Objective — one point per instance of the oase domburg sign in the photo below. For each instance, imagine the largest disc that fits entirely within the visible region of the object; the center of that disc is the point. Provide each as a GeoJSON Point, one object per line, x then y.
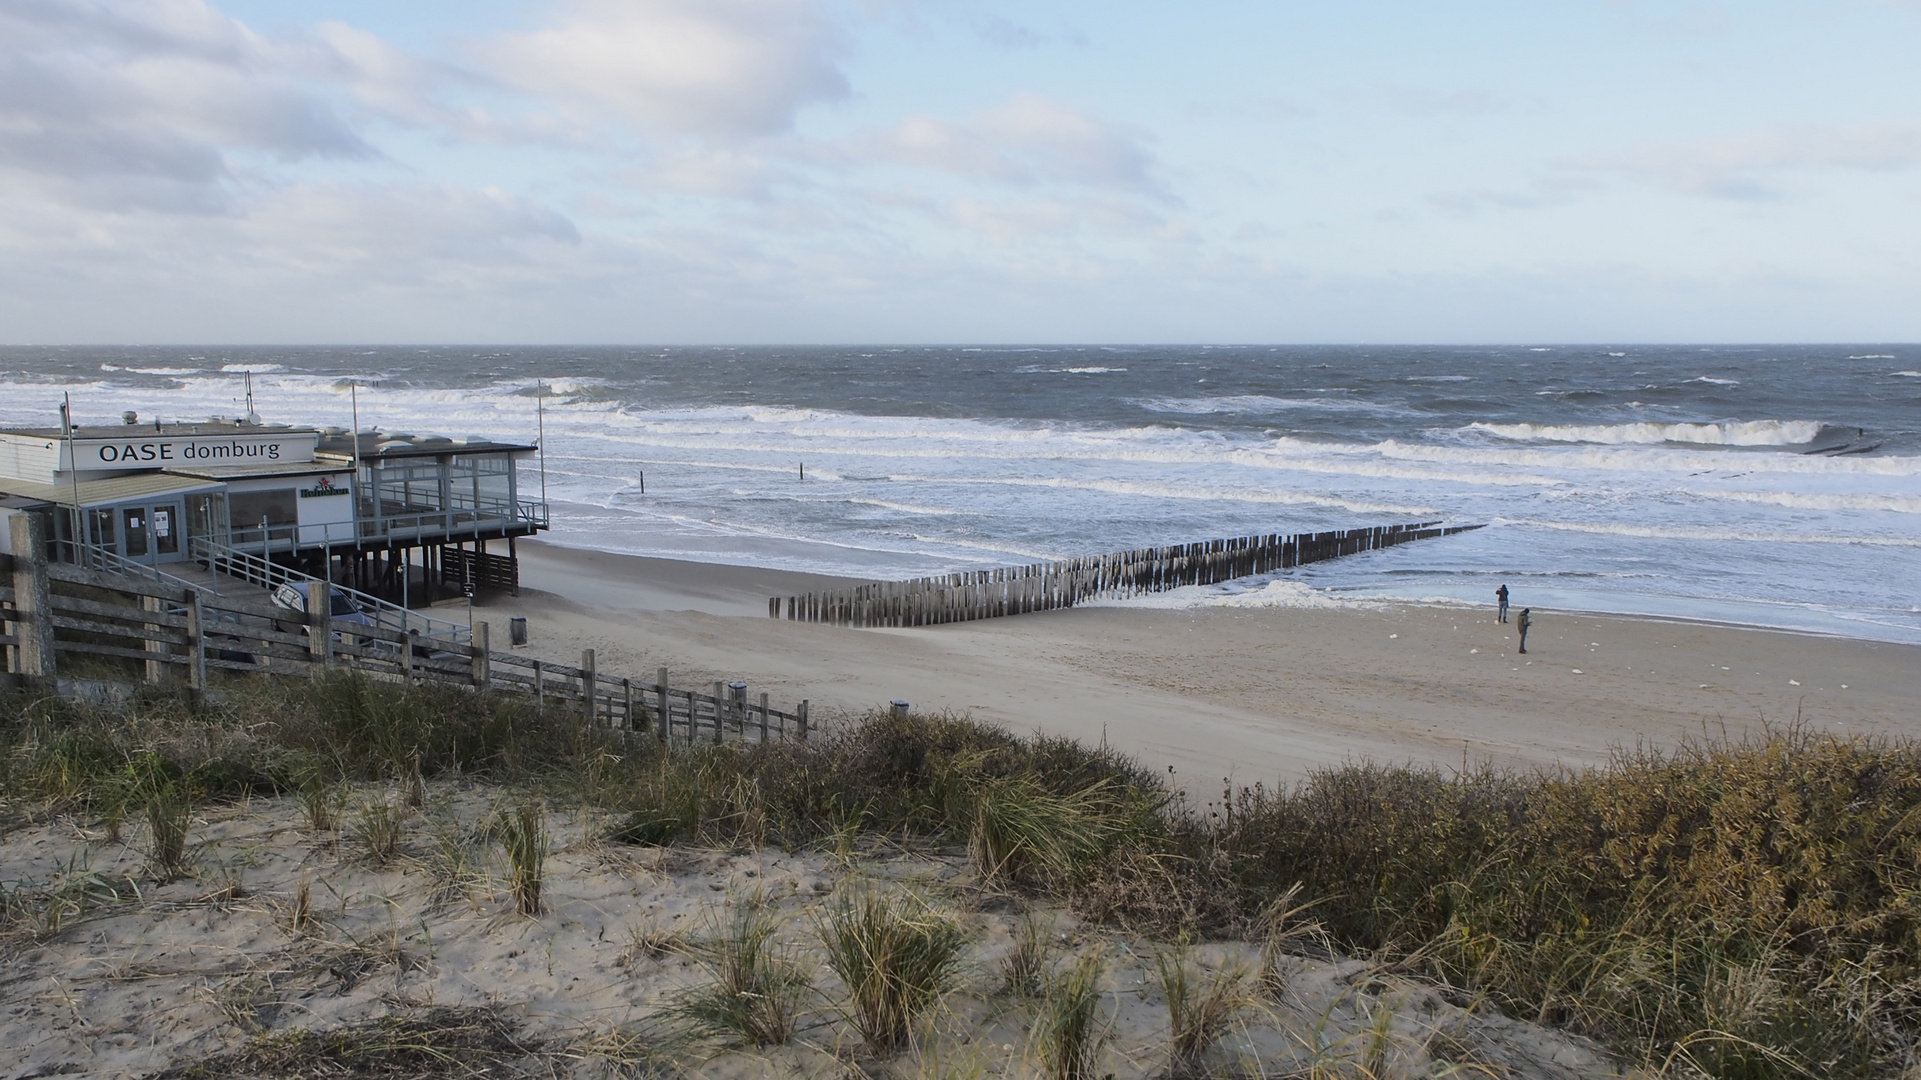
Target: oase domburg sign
{"type": "Point", "coordinates": [161, 452]}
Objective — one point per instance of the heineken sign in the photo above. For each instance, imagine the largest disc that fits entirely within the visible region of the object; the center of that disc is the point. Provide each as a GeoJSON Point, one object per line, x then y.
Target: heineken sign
{"type": "Point", "coordinates": [323, 489]}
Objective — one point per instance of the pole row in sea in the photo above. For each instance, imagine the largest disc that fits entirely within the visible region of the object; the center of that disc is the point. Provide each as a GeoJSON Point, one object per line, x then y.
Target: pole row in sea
{"type": "Point", "coordinates": [1016, 590]}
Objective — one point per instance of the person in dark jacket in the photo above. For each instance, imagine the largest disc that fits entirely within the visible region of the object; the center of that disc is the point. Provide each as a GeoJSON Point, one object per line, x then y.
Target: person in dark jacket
{"type": "Point", "coordinates": [1501, 595]}
{"type": "Point", "coordinates": [1521, 624]}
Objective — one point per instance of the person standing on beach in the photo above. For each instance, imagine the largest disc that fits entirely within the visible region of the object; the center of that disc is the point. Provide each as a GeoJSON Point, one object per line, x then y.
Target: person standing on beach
{"type": "Point", "coordinates": [1501, 595]}
{"type": "Point", "coordinates": [1522, 624]}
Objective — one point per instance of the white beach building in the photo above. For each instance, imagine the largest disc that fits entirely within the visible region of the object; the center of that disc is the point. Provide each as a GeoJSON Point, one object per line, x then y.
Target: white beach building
{"type": "Point", "coordinates": [389, 514]}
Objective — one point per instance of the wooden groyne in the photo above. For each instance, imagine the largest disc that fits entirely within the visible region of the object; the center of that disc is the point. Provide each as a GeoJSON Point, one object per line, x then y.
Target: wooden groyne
{"type": "Point", "coordinates": [1015, 590]}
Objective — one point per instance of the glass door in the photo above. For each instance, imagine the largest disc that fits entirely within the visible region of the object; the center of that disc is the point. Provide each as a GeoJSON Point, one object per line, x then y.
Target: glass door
{"type": "Point", "coordinates": [133, 533]}
{"type": "Point", "coordinates": [164, 522]}
{"type": "Point", "coordinates": [149, 534]}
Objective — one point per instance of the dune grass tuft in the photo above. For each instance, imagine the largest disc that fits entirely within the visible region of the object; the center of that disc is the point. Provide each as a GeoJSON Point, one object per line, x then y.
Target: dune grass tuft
{"type": "Point", "coordinates": [896, 954]}
{"type": "Point", "coordinates": [1201, 1007]}
{"type": "Point", "coordinates": [1024, 970]}
{"type": "Point", "coordinates": [1070, 1026]}
{"type": "Point", "coordinates": [1021, 829]}
{"type": "Point", "coordinates": [378, 828]}
{"type": "Point", "coordinates": [168, 805]}
{"type": "Point", "coordinates": [522, 829]}
{"type": "Point", "coordinates": [754, 998]}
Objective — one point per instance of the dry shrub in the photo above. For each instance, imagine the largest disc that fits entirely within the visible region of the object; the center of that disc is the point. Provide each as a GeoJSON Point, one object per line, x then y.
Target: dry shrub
{"type": "Point", "coordinates": [443, 1041]}
{"type": "Point", "coordinates": [1715, 906]}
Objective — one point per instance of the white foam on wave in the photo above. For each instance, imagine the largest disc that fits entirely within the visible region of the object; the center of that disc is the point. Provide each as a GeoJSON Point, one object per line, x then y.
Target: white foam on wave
{"type": "Point", "coordinates": [1439, 378]}
{"type": "Point", "coordinates": [152, 370]}
{"type": "Point", "coordinates": [1276, 593]}
{"type": "Point", "coordinates": [1036, 369]}
{"type": "Point", "coordinates": [1754, 536]}
{"type": "Point", "coordinates": [1726, 433]}
{"type": "Point", "coordinates": [1801, 500]}
{"type": "Point", "coordinates": [1712, 381]}
{"type": "Point", "coordinates": [1874, 356]}
{"type": "Point", "coordinates": [1256, 404]}
{"type": "Point", "coordinates": [1906, 374]}
{"type": "Point", "coordinates": [252, 369]}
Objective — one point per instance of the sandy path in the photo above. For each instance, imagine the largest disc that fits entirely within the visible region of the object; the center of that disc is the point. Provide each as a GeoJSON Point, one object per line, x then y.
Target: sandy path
{"type": "Point", "coordinates": [1256, 693]}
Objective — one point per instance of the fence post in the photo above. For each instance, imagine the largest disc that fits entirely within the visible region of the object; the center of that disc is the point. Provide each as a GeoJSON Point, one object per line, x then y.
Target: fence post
{"type": "Point", "coordinates": [763, 716]}
{"type": "Point", "coordinates": [720, 709]}
{"type": "Point", "coordinates": [664, 719]}
{"type": "Point", "coordinates": [407, 659]}
{"type": "Point", "coordinates": [627, 711]}
{"type": "Point", "coordinates": [589, 687]}
{"type": "Point", "coordinates": [157, 669]}
{"type": "Point", "coordinates": [540, 690]}
{"type": "Point", "coordinates": [32, 597]}
{"type": "Point", "coordinates": [196, 649]}
{"type": "Point", "coordinates": [481, 646]}
{"type": "Point", "coordinates": [320, 637]}
{"type": "Point", "coordinates": [800, 719]}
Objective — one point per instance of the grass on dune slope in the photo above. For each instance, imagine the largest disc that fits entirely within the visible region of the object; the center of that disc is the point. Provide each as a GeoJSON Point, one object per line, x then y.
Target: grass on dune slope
{"type": "Point", "coordinates": [1729, 909]}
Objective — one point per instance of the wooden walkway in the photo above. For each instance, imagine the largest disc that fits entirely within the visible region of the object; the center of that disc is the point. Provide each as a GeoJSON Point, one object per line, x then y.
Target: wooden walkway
{"type": "Point", "coordinates": [1016, 590]}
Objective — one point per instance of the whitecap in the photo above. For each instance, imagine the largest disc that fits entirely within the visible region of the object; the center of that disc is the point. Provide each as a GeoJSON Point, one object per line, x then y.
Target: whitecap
{"type": "Point", "coordinates": [1439, 378]}
{"type": "Point", "coordinates": [1907, 374]}
{"type": "Point", "coordinates": [1874, 356]}
{"type": "Point", "coordinates": [1262, 403]}
{"type": "Point", "coordinates": [1714, 381]}
{"type": "Point", "coordinates": [152, 370]}
{"type": "Point", "coordinates": [1726, 433]}
{"type": "Point", "coordinates": [252, 369]}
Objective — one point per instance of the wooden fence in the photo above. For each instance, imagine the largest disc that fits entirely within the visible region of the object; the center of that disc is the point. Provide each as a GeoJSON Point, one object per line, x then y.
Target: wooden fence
{"type": "Point", "coordinates": [56, 614]}
{"type": "Point", "coordinates": [1015, 590]}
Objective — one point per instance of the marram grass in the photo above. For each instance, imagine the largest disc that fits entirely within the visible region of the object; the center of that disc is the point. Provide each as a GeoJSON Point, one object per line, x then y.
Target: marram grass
{"type": "Point", "coordinates": [1732, 908]}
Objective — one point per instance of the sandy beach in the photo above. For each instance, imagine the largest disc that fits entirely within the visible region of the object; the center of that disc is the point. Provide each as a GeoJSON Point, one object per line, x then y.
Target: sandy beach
{"type": "Point", "coordinates": [1258, 694]}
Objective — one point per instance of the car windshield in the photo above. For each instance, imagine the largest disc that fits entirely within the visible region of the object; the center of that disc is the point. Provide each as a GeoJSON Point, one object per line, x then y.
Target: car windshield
{"type": "Point", "coordinates": [344, 605]}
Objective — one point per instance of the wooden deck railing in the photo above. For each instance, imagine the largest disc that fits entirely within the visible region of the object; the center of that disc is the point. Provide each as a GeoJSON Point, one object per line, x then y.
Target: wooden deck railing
{"type": "Point", "coordinates": [176, 635]}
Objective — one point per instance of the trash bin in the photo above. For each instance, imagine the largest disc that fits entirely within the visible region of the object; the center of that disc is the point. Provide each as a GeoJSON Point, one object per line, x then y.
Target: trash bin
{"type": "Point", "coordinates": [898, 707]}
{"type": "Point", "coordinates": [737, 692]}
{"type": "Point", "coordinates": [517, 630]}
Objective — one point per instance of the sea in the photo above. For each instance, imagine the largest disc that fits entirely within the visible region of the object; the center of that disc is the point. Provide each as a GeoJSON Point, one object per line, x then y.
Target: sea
{"type": "Point", "coordinates": [1775, 486]}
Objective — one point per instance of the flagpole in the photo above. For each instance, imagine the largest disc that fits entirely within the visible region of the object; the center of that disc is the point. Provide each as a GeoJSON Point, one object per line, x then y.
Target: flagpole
{"type": "Point", "coordinates": [80, 544]}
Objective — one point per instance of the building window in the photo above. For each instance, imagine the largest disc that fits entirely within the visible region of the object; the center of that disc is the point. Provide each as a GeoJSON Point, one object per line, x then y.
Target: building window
{"type": "Point", "coordinates": [207, 516]}
{"type": "Point", "coordinates": [280, 508]}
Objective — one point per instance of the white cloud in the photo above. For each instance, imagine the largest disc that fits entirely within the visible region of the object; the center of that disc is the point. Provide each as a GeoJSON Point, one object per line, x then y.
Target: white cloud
{"type": "Point", "coordinates": [1750, 166]}
{"type": "Point", "coordinates": [726, 68]}
{"type": "Point", "coordinates": [1029, 139]}
{"type": "Point", "coordinates": [146, 103]}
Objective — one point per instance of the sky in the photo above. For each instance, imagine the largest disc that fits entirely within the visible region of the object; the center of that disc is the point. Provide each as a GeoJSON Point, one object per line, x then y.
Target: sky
{"type": "Point", "coordinates": [827, 171]}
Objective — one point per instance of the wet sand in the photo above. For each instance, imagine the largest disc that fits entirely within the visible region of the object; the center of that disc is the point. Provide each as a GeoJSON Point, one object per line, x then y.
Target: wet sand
{"type": "Point", "coordinates": [1253, 693]}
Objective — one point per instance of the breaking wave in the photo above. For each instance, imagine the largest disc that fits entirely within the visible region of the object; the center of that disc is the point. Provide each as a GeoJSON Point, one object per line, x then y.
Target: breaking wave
{"type": "Point", "coordinates": [1727, 433]}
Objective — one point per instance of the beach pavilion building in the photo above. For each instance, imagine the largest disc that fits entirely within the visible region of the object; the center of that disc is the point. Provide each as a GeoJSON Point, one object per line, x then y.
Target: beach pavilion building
{"type": "Point", "coordinates": [403, 517]}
